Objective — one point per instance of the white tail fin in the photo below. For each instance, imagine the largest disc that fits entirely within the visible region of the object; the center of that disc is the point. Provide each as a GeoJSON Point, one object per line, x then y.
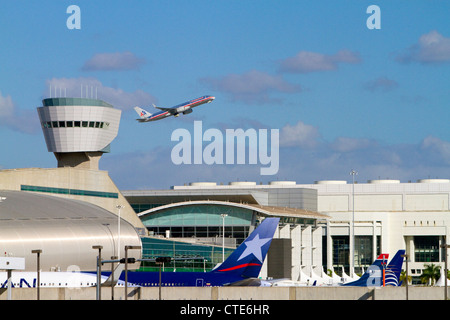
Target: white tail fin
{"type": "Point", "coordinates": [142, 113]}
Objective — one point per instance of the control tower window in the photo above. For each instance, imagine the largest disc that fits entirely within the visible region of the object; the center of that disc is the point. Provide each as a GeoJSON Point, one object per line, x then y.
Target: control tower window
{"type": "Point", "coordinates": [69, 124]}
{"type": "Point", "coordinates": [62, 124]}
{"type": "Point", "coordinates": [77, 124]}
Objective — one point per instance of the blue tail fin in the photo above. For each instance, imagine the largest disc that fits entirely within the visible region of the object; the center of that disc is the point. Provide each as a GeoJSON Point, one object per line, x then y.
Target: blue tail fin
{"type": "Point", "coordinates": [393, 270]}
{"type": "Point", "coordinates": [373, 277]}
{"type": "Point", "coordinates": [248, 258]}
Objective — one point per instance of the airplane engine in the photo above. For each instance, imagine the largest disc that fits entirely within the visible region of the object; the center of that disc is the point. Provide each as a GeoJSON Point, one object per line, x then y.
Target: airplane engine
{"type": "Point", "coordinates": [188, 111]}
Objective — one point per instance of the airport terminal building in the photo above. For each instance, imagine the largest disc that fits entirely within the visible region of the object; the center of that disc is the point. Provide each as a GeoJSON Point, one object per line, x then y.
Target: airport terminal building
{"type": "Point", "coordinates": [324, 225]}
{"type": "Point", "coordinates": [324, 222]}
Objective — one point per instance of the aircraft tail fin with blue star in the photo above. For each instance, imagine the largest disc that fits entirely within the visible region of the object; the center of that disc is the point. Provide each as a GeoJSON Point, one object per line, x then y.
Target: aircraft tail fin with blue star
{"type": "Point", "coordinates": [248, 258]}
{"type": "Point", "coordinates": [242, 267]}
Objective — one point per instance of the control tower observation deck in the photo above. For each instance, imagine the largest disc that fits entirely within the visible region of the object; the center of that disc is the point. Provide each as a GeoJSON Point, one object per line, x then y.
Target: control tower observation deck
{"type": "Point", "coordinates": [78, 130]}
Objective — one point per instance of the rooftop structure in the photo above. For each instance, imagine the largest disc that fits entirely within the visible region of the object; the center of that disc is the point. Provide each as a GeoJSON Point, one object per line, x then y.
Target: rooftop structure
{"type": "Point", "coordinates": [78, 130]}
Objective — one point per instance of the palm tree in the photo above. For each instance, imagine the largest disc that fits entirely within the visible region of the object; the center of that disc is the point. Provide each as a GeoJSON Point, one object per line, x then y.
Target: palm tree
{"type": "Point", "coordinates": [403, 278]}
{"type": "Point", "coordinates": [430, 274]}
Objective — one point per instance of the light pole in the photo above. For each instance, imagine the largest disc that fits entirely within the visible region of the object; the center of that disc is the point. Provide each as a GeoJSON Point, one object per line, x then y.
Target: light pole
{"type": "Point", "coordinates": [126, 267]}
{"type": "Point", "coordinates": [406, 273]}
{"type": "Point", "coordinates": [38, 271]}
{"type": "Point", "coordinates": [353, 173]}
{"type": "Point", "coordinates": [223, 215]}
{"type": "Point", "coordinates": [119, 206]}
{"type": "Point", "coordinates": [445, 246]}
{"type": "Point", "coordinates": [99, 270]}
{"type": "Point", "coordinates": [160, 261]}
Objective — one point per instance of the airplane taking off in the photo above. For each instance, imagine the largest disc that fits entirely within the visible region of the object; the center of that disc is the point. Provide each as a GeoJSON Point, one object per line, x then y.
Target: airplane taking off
{"type": "Point", "coordinates": [244, 263]}
{"type": "Point", "coordinates": [184, 108]}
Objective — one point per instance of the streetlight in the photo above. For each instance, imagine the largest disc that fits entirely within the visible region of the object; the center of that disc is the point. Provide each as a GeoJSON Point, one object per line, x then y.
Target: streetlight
{"type": "Point", "coordinates": [126, 267]}
{"type": "Point", "coordinates": [38, 267]}
{"type": "Point", "coordinates": [119, 206]}
{"type": "Point", "coordinates": [99, 270]}
{"type": "Point", "coordinates": [353, 173]}
{"type": "Point", "coordinates": [160, 261]}
{"type": "Point", "coordinates": [406, 261]}
{"type": "Point", "coordinates": [223, 215]}
{"type": "Point", "coordinates": [445, 246]}
{"type": "Point", "coordinates": [112, 277]}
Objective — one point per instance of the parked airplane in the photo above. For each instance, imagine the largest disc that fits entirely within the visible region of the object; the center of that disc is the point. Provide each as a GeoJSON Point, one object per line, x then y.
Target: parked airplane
{"type": "Point", "coordinates": [394, 269]}
{"type": "Point", "coordinates": [371, 278]}
{"type": "Point", "coordinates": [183, 108]}
{"type": "Point", "coordinates": [244, 263]}
{"type": "Point", "coordinates": [74, 279]}
{"type": "Point", "coordinates": [378, 274]}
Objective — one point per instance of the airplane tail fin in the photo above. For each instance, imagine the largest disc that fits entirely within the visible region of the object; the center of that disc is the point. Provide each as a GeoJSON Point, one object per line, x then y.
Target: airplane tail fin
{"type": "Point", "coordinates": [114, 275]}
{"type": "Point", "coordinates": [143, 114]}
{"type": "Point", "coordinates": [248, 258]}
{"type": "Point", "coordinates": [393, 270]}
{"type": "Point", "coordinates": [373, 277]}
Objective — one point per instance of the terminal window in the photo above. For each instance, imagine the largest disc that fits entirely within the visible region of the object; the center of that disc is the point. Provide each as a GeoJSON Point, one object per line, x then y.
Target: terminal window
{"type": "Point", "coordinates": [426, 248]}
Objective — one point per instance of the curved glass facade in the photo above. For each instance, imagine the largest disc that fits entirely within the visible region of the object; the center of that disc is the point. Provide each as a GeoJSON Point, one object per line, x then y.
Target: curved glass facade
{"type": "Point", "coordinates": [201, 221]}
{"type": "Point", "coordinates": [205, 215]}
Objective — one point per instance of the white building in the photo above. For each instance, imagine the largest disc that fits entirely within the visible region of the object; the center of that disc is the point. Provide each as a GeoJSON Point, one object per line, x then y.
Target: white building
{"type": "Point", "coordinates": [386, 215]}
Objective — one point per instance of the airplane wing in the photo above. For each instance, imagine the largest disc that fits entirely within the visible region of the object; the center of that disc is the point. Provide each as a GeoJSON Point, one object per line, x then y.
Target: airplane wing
{"type": "Point", "coordinates": [171, 110]}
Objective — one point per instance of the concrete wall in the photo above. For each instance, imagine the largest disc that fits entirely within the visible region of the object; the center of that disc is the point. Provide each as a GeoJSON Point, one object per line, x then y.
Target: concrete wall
{"type": "Point", "coordinates": [233, 293]}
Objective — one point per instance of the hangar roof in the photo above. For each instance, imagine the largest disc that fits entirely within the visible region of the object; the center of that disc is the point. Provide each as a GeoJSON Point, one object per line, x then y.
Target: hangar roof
{"type": "Point", "coordinates": [20, 205]}
{"type": "Point", "coordinates": [64, 229]}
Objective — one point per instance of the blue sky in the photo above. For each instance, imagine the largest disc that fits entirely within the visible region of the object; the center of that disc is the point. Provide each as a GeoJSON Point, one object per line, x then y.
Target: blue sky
{"type": "Point", "coordinates": [342, 96]}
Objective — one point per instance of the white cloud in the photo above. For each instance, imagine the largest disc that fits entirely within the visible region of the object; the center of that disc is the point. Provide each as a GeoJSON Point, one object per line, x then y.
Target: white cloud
{"type": "Point", "coordinates": [383, 84]}
{"type": "Point", "coordinates": [15, 118]}
{"type": "Point", "coordinates": [431, 48]}
{"type": "Point", "coordinates": [299, 135]}
{"type": "Point", "coordinates": [113, 62]}
{"type": "Point", "coordinates": [437, 146]}
{"type": "Point", "coordinates": [251, 87]}
{"type": "Point", "coordinates": [344, 144]}
{"type": "Point", "coordinates": [307, 61]}
{"type": "Point", "coordinates": [6, 106]}
{"type": "Point", "coordinates": [93, 88]}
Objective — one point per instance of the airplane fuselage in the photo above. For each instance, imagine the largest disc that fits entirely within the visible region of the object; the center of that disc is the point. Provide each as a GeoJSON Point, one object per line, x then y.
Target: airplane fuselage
{"type": "Point", "coordinates": [184, 108]}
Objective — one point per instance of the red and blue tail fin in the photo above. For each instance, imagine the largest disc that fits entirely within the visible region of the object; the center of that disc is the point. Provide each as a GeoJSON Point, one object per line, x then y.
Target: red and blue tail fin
{"type": "Point", "coordinates": [393, 270]}
{"type": "Point", "coordinates": [373, 277]}
{"type": "Point", "coordinates": [248, 258]}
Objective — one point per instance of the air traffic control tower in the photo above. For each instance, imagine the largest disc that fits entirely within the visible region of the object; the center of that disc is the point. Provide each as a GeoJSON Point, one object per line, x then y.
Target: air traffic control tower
{"type": "Point", "coordinates": [78, 130]}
